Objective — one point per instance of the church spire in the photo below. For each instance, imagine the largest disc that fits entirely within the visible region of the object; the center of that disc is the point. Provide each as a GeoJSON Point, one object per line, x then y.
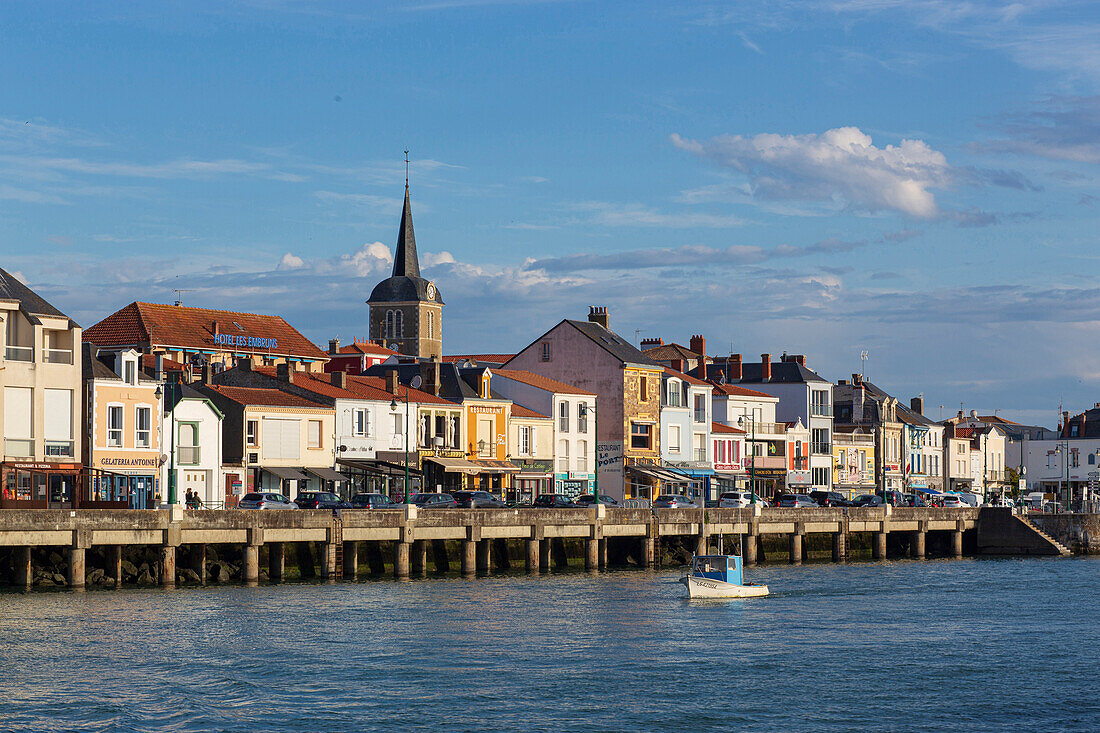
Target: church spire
{"type": "Point", "coordinates": [405, 261]}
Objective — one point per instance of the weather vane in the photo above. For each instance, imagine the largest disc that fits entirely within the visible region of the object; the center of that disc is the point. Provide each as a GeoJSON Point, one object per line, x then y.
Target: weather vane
{"type": "Point", "coordinates": [406, 167]}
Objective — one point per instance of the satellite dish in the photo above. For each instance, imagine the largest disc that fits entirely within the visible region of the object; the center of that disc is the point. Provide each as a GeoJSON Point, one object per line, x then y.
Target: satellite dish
{"type": "Point", "coordinates": [416, 382]}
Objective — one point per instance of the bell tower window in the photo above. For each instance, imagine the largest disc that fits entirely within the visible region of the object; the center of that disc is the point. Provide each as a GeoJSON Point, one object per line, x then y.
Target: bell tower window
{"type": "Point", "coordinates": [394, 324]}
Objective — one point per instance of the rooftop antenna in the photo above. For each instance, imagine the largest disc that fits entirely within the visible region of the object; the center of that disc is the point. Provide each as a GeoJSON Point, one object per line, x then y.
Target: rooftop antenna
{"type": "Point", "coordinates": [863, 363]}
{"type": "Point", "coordinates": [941, 413]}
{"type": "Point", "coordinates": [406, 167]}
{"type": "Point", "coordinates": [636, 332]}
{"type": "Point", "coordinates": [179, 294]}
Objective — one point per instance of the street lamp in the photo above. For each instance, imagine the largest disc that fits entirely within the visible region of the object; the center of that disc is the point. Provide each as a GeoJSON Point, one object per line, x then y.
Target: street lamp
{"type": "Point", "coordinates": [752, 452]}
{"type": "Point", "coordinates": [585, 410]}
{"type": "Point", "coordinates": [160, 393]}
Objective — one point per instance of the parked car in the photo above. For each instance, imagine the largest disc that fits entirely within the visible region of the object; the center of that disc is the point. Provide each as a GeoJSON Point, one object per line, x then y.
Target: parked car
{"type": "Point", "coordinates": [867, 500]}
{"type": "Point", "coordinates": [829, 498]}
{"type": "Point", "coordinates": [674, 501]}
{"type": "Point", "coordinates": [796, 501]}
{"type": "Point", "coordinates": [320, 500]}
{"type": "Point", "coordinates": [372, 501]}
{"type": "Point", "coordinates": [476, 500]}
{"type": "Point", "coordinates": [554, 501]}
{"type": "Point", "coordinates": [738, 499]}
{"type": "Point", "coordinates": [951, 501]}
{"type": "Point", "coordinates": [590, 499]}
{"type": "Point", "coordinates": [434, 501]}
{"type": "Point", "coordinates": [265, 501]}
{"type": "Point", "coordinates": [894, 498]}
{"type": "Point", "coordinates": [915, 500]}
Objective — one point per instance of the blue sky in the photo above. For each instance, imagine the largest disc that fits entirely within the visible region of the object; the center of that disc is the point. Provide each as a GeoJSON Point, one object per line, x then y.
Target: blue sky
{"type": "Point", "coordinates": [914, 179]}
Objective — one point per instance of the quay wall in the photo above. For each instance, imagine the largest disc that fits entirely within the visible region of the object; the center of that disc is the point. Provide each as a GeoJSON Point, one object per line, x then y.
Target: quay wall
{"type": "Point", "coordinates": [1079, 532]}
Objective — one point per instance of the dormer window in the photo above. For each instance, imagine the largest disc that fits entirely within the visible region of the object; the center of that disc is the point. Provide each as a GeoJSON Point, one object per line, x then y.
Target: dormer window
{"type": "Point", "coordinates": [129, 371]}
{"type": "Point", "coordinates": [673, 398]}
{"type": "Point", "coordinates": [485, 393]}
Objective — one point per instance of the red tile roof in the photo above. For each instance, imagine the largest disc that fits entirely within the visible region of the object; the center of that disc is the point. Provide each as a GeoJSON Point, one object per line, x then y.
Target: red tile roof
{"type": "Point", "coordinates": [358, 387]}
{"type": "Point", "coordinates": [717, 427]}
{"type": "Point", "coordinates": [734, 391]}
{"type": "Point", "coordinates": [521, 411]}
{"type": "Point", "coordinates": [153, 324]}
{"type": "Point", "coordinates": [968, 432]}
{"type": "Point", "coordinates": [149, 361]}
{"type": "Point", "coordinates": [491, 358]}
{"type": "Point", "coordinates": [687, 377]}
{"type": "Point", "coordinates": [262, 396]}
{"type": "Point", "coordinates": [365, 347]}
{"type": "Point", "coordinates": [537, 380]}
{"type": "Point", "coordinates": [668, 352]}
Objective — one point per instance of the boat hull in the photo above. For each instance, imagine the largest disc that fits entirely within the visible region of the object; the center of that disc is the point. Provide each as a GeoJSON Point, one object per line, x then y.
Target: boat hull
{"type": "Point", "coordinates": [707, 588]}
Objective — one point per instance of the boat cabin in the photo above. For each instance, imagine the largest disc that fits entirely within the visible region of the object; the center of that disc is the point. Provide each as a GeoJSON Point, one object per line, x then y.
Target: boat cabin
{"type": "Point", "coordinates": [726, 568]}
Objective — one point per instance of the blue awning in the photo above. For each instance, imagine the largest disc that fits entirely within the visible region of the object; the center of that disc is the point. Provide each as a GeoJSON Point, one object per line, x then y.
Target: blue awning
{"type": "Point", "coordinates": [924, 490]}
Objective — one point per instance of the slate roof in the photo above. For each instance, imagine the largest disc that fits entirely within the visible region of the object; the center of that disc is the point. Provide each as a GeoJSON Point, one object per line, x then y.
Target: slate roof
{"type": "Point", "coordinates": [668, 352]}
{"type": "Point", "coordinates": [154, 324]}
{"type": "Point", "coordinates": [783, 372]}
{"type": "Point", "coordinates": [479, 358]}
{"type": "Point", "coordinates": [260, 396]}
{"type": "Point", "coordinates": [686, 377]}
{"type": "Point", "coordinates": [537, 380]}
{"type": "Point", "coordinates": [906, 415]}
{"type": "Point", "coordinates": [613, 344]}
{"type": "Point", "coordinates": [405, 284]}
{"type": "Point", "coordinates": [13, 290]}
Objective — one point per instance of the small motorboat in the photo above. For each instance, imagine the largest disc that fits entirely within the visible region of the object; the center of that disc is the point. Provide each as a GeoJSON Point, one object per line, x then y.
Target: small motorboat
{"type": "Point", "coordinates": [719, 576]}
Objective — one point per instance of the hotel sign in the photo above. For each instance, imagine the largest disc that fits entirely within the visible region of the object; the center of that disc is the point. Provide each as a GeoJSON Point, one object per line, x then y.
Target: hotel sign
{"type": "Point", "coordinates": [251, 342]}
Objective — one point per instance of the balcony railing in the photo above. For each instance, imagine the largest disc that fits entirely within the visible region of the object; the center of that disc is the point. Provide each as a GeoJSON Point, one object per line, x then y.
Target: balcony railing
{"type": "Point", "coordinates": [189, 455]}
{"type": "Point", "coordinates": [700, 416]}
{"type": "Point", "coordinates": [821, 410]}
{"type": "Point", "coordinates": [19, 353]}
{"type": "Point", "coordinates": [701, 454]}
{"type": "Point", "coordinates": [18, 448]}
{"type": "Point", "coordinates": [764, 428]}
{"type": "Point", "coordinates": [59, 449]}
{"type": "Point", "coordinates": [821, 449]}
{"type": "Point", "coordinates": [57, 356]}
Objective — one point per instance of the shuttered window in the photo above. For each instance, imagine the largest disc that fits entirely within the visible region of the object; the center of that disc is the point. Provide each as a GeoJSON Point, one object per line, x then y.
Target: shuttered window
{"type": "Point", "coordinates": [58, 408]}
{"type": "Point", "coordinates": [281, 439]}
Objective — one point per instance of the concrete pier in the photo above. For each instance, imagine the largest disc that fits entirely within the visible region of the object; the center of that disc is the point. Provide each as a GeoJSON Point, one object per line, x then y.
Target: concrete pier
{"type": "Point", "coordinates": [483, 556]}
{"type": "Point", "coordinates": [21, 565]}
{"type": "Point", "coordinates": [840, 546]}
{"type": "Point", "coordinates": [917, 543]}
{"type": "Point", "coordinates": [544, 555]}
{"type": "Point", "coordinates": [328, 560]}
{"type": "Point", "coordinates": [879, 550]}
{"type": "Point", "coordinates": [351, 559]}
{"type": "Point", "coordinates": [420, 558]}
{"type": "Point", "coordinates": [469, 557]}
{"type": "Point", "coordinates": [795, 547]}
{"type": "Point", "coordinates": [168, 566]}
{"type": "Point", "coordinates": [603, 552]}
{"type": "Point", "coordinates": [591, 554]}
{"type": "Point", "coordinates": [250, 571]}
{"type": "Point", "coordinates": [114, 564]}
{"type": "Point", "coordinates": [198, 561]}
{"type": "Point", "coordinates": [401, 559]}
{"type": "Point", "coordinates": [77, 567]}
{"type": "Point", "coordinates": [276, 561]}
{"type": "Point", "coordinates": [957, 543]}
{"type": "Point", "coordinates": [748, 549]}
{"type": "Point", "coordinates": [531, 563]}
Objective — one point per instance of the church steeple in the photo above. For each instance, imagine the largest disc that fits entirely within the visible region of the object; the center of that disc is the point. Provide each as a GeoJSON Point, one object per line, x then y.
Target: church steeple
{"type": "Point", "coordinates": [405, 261]}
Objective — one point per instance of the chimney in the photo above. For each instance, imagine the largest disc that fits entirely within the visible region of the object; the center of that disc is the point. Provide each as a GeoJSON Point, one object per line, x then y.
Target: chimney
{"type": "Point", "coordinates": [204, 374]}
{"type": "Point", "coordinates": [784, 358]}
{"type": "Point", "coordinates": [678, 364]}
{"type": "Point", "coordinates": [391, 381]}
{"type": "Point", "coordinates": [917, 405]}
{"type": "Point", "coordinates": [158, 367]}
{"type": "Point", "coordinates": [245, 364]}
{"type": "Point", "coordinates": [765, 367]}
{"type": "Point", "coordinates": [959, 416]}
{"type": "Point", "coordinates": [650, 343]}
{"type": "Point", "coordinates": [215, 327]}
{"type": "Point", "coordinates": [799, 359]}
{"type": "Point", "coordinates": [429, 371]}
{"type": "Point", "coordinates": [735, 368]}
{"type": "Point", "coordinates": [339, 379]}
{"type": "Point", "coordinates": [284, 373]}
{"type": "Point", "coordinates": [950, 430]}
{"type": "Point", "coordinates": [334, 346]}
{"type": "Point", "coordinates": [857, 379]}
{"type": "Point", "coordinates": [698, 344]}
{"type": "Point", "coordinates": [598, 314]}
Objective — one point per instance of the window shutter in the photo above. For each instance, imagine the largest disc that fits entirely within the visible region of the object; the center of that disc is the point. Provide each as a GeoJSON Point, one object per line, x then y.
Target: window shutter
{"type": "Point", "coordinates": [532, 450]}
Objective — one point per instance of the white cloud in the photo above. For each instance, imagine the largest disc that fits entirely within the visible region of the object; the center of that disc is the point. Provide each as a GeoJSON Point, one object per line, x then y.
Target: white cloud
{"type": "Point", "coordinates": [840, 164]}
{"type": "Point", "coordinates": [431, 259]}
{"type": "Point", "coordinates": [290, 262]}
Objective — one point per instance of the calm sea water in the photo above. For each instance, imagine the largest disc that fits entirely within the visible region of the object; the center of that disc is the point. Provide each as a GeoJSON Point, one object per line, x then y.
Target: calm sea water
{"type": "Point", "coordinates": [981, 645]}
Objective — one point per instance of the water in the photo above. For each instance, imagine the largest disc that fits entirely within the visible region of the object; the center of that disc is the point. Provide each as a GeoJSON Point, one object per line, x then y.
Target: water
{"type": "Point", "coordinates": [981, 645]}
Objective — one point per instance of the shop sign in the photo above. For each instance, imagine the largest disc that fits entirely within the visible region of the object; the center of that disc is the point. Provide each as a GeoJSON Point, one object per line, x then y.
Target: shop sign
{"type": "Point", "coordinates": [45, 466]}
{"type": "Point", "coordinates": [127, 461]}
{"type": "Point", "coordinates": [735, 466]}
{"type": "Point", "coordinates": [479, 410]}
{"type": "Point", "coordinates": [799, 477]}
{"type": "Point", "coordinates": [250, 342]}
{"type": "Point", "coordinates": [770, 473]}
{"type": "Point", "coordinates": [441, 454]}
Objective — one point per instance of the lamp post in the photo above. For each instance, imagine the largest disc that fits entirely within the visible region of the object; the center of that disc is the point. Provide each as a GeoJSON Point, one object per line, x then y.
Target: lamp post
{"type": "Point", "coordinates": [393, 407]}
{"type": "Point", "coordinates": [752, 455]}
{"type": "Point", "coordinates": [586, 410]}
{"type": "Point", "coordinates": [170, 393]}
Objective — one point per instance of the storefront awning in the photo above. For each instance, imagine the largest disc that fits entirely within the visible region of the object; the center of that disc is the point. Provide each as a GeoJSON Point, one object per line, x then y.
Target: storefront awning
{"type": "Point", "coordinates": [456, 465]}
{"type": "Point", "coordinates": [925, 490]}
{"type": "Point", "coordinates": [382, 468]}
{"type": "Point", "coordinates": [661, 474]}
{"type": "Point", "coordinates": [326, 474]}
{"type": "Point", "coordinates": [287, 474]}
{"type": "Point", "coordinates": [489, 466]}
